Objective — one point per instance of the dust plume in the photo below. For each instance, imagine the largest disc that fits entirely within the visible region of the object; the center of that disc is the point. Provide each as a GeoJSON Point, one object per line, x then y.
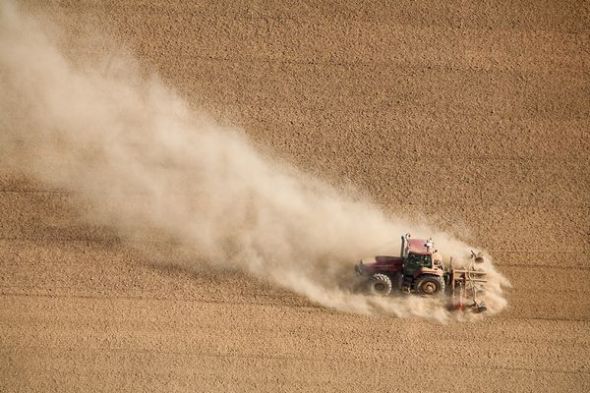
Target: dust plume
{"type": "Point", "coordinates": [151, 168]}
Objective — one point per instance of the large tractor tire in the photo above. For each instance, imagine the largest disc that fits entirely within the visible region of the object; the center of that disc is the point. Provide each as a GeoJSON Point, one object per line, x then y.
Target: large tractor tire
{"type": "Point", "coordinates": [380, 284]}
{"type": "Point", "coordinates": [430, 285]}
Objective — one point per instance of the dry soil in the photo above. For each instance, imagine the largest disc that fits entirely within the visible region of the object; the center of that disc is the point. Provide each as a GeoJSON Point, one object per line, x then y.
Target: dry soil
{"type": "Point", "coordinates": [474, 115]}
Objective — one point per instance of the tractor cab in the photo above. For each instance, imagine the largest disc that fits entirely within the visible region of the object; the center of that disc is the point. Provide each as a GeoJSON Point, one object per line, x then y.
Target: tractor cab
{"type": "Point", "coordinates": [416, 254]}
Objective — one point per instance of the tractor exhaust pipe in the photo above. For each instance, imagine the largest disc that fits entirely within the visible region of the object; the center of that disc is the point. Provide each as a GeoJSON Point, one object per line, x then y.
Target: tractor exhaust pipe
{"type": "Point", "coordinates": [405, 242]}
{"type": "Point", "coordinates": [405, 239]}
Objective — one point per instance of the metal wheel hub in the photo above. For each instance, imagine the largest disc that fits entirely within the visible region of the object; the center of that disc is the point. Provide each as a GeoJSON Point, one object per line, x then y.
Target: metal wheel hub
{"type": "Point", "coordinates": [429, 288]}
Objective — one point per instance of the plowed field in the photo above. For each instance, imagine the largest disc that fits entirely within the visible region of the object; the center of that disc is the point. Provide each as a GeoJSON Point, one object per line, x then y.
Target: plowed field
{"type": "Point", "coordinates": [473, 115]}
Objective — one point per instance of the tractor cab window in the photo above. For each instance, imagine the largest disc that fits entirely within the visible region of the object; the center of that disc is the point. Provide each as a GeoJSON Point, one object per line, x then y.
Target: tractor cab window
{"type": "Point", "coordinates": [414, 261]}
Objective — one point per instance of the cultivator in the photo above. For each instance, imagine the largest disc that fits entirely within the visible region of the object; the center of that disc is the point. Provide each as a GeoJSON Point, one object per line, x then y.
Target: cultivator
{"type": "Point", "coordinates": [464, 285]}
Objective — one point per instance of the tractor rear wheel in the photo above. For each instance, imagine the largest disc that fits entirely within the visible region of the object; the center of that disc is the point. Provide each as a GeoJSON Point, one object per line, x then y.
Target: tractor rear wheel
{"type": "Point", "coordinates": [430, 285]}
{"type": "Point", "coordinates": [380, 284]}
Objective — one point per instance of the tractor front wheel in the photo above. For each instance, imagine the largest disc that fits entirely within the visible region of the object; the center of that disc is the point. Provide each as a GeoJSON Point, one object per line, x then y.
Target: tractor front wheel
{"type": "Point", "coordinates": [380, 284]}
{"type": "Point", "coordinates": [429, 285]}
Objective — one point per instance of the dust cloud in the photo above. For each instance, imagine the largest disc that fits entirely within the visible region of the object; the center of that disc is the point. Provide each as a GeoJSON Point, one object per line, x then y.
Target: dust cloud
{"type": "Point", "coordinates": [160, 174]}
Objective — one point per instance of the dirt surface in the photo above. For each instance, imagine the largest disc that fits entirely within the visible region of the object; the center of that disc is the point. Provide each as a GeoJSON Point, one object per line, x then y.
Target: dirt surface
{"type": "Point", "coordinates": [474, 116]}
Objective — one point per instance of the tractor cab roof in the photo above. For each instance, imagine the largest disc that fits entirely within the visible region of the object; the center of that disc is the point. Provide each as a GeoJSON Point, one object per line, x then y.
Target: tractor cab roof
{"type": "Point", "coordinates": [419, 246]}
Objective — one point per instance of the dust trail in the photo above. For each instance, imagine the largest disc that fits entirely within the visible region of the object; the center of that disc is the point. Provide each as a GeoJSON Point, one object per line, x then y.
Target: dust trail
{"type": "Point", "coordinates": [151, 168]}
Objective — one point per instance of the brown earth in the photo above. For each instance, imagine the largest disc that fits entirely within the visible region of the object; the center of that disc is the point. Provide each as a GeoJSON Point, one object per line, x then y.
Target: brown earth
{"type": "Point", "coordinates": [473, 115]}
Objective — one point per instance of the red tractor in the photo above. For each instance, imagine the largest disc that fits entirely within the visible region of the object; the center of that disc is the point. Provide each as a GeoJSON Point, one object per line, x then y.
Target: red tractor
{"type": "Point", "coordinates": [419, 269]}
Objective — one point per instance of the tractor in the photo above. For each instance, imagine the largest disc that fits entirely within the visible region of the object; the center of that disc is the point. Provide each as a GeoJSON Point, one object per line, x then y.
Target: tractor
{"type": "Point", "coordinates": [420, 270]}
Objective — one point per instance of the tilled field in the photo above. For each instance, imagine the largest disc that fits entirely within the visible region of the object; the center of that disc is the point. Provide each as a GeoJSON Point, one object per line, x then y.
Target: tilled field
{"type": "Point", "coordinates": [471, 116]}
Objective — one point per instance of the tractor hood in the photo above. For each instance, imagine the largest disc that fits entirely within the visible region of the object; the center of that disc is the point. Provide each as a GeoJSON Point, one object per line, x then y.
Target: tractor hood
{"type": "Point", "coordinates": [380, 264]}
{"type": "Point", "coordinates": [381, 260]}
